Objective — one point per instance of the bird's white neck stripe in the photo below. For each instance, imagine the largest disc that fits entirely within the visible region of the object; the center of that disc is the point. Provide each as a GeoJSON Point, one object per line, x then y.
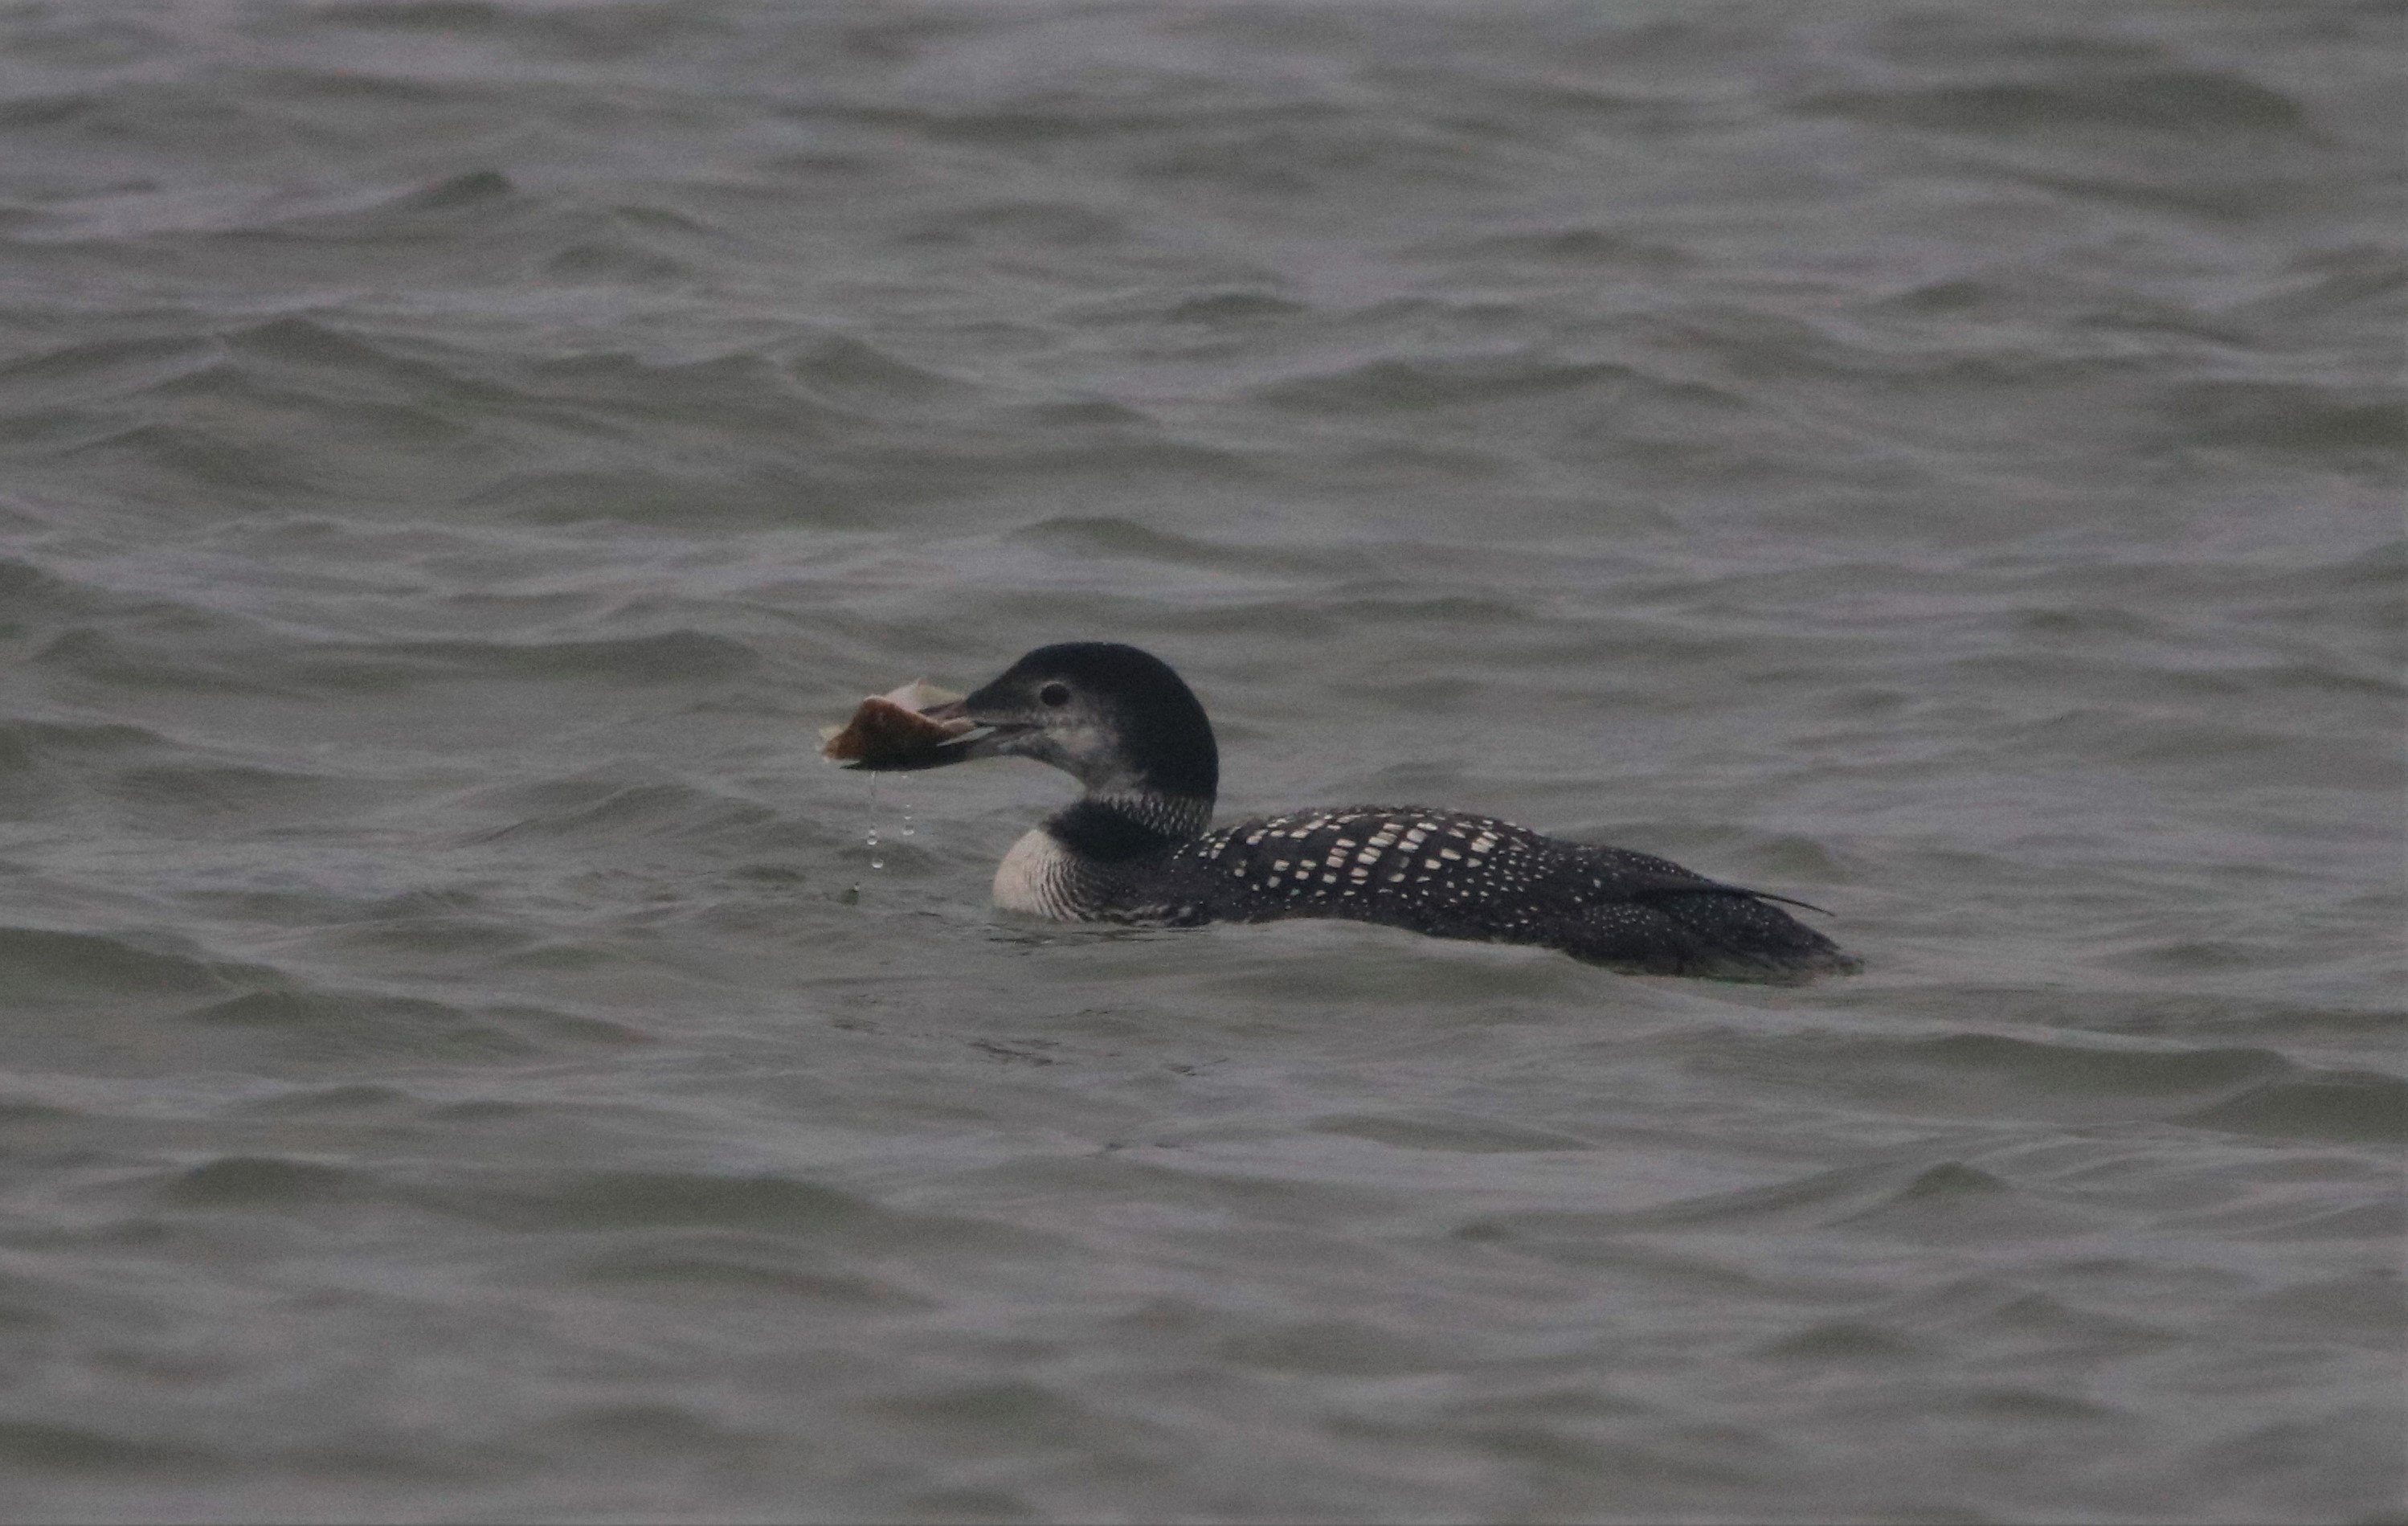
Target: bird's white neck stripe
{"type": "Point", "coordinates": [1035, 877]}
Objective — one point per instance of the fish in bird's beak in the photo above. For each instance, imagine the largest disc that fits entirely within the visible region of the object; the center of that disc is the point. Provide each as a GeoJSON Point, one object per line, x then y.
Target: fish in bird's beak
{"type": "Point", "coordinates": [915, 726]}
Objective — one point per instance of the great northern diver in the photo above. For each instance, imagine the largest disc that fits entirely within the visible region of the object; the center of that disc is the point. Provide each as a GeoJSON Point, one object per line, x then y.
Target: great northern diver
{"type": "Point", "coordinates": [1135, 848]}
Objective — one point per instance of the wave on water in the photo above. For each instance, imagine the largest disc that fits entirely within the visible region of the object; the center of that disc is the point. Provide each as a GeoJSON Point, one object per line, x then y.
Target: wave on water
{"type": "Point", "coordinates": [466, 1054]}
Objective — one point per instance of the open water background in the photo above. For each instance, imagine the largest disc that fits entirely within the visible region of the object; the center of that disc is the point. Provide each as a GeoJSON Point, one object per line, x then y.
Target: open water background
{"type": "Point", "coordinates": [463, 1056]}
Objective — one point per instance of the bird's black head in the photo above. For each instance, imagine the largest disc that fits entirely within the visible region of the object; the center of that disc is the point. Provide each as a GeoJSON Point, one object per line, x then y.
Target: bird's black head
{"type": "Point", "coordinates": [1116, 719]}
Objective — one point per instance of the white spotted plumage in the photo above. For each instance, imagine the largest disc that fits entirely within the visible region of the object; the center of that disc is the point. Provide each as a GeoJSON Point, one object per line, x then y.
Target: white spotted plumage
{"type": "Point", "coordinates": [1134, 849]}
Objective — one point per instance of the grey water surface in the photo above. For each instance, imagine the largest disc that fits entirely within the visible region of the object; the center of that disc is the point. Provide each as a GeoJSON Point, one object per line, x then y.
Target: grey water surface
{"type": "Point", "coordinates": [463, 1057]}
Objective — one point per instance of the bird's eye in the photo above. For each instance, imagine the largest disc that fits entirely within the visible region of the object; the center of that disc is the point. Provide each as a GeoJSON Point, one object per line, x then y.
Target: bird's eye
{"type": "Point", "coordinates": [1054, 694]}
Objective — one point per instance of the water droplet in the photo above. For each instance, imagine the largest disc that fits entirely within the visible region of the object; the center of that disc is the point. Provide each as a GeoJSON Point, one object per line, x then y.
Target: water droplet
{"type": "Point", "coordinates": [870, 837]}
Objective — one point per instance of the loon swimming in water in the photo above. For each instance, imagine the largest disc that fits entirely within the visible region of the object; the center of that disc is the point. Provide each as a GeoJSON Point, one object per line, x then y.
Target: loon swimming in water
{"type": "Point", "coordinates": [1134, 847]}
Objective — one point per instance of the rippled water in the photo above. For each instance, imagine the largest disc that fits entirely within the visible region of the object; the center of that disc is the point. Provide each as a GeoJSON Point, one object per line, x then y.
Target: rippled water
{"type": "Point", "coordinates": [464, 1056]}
